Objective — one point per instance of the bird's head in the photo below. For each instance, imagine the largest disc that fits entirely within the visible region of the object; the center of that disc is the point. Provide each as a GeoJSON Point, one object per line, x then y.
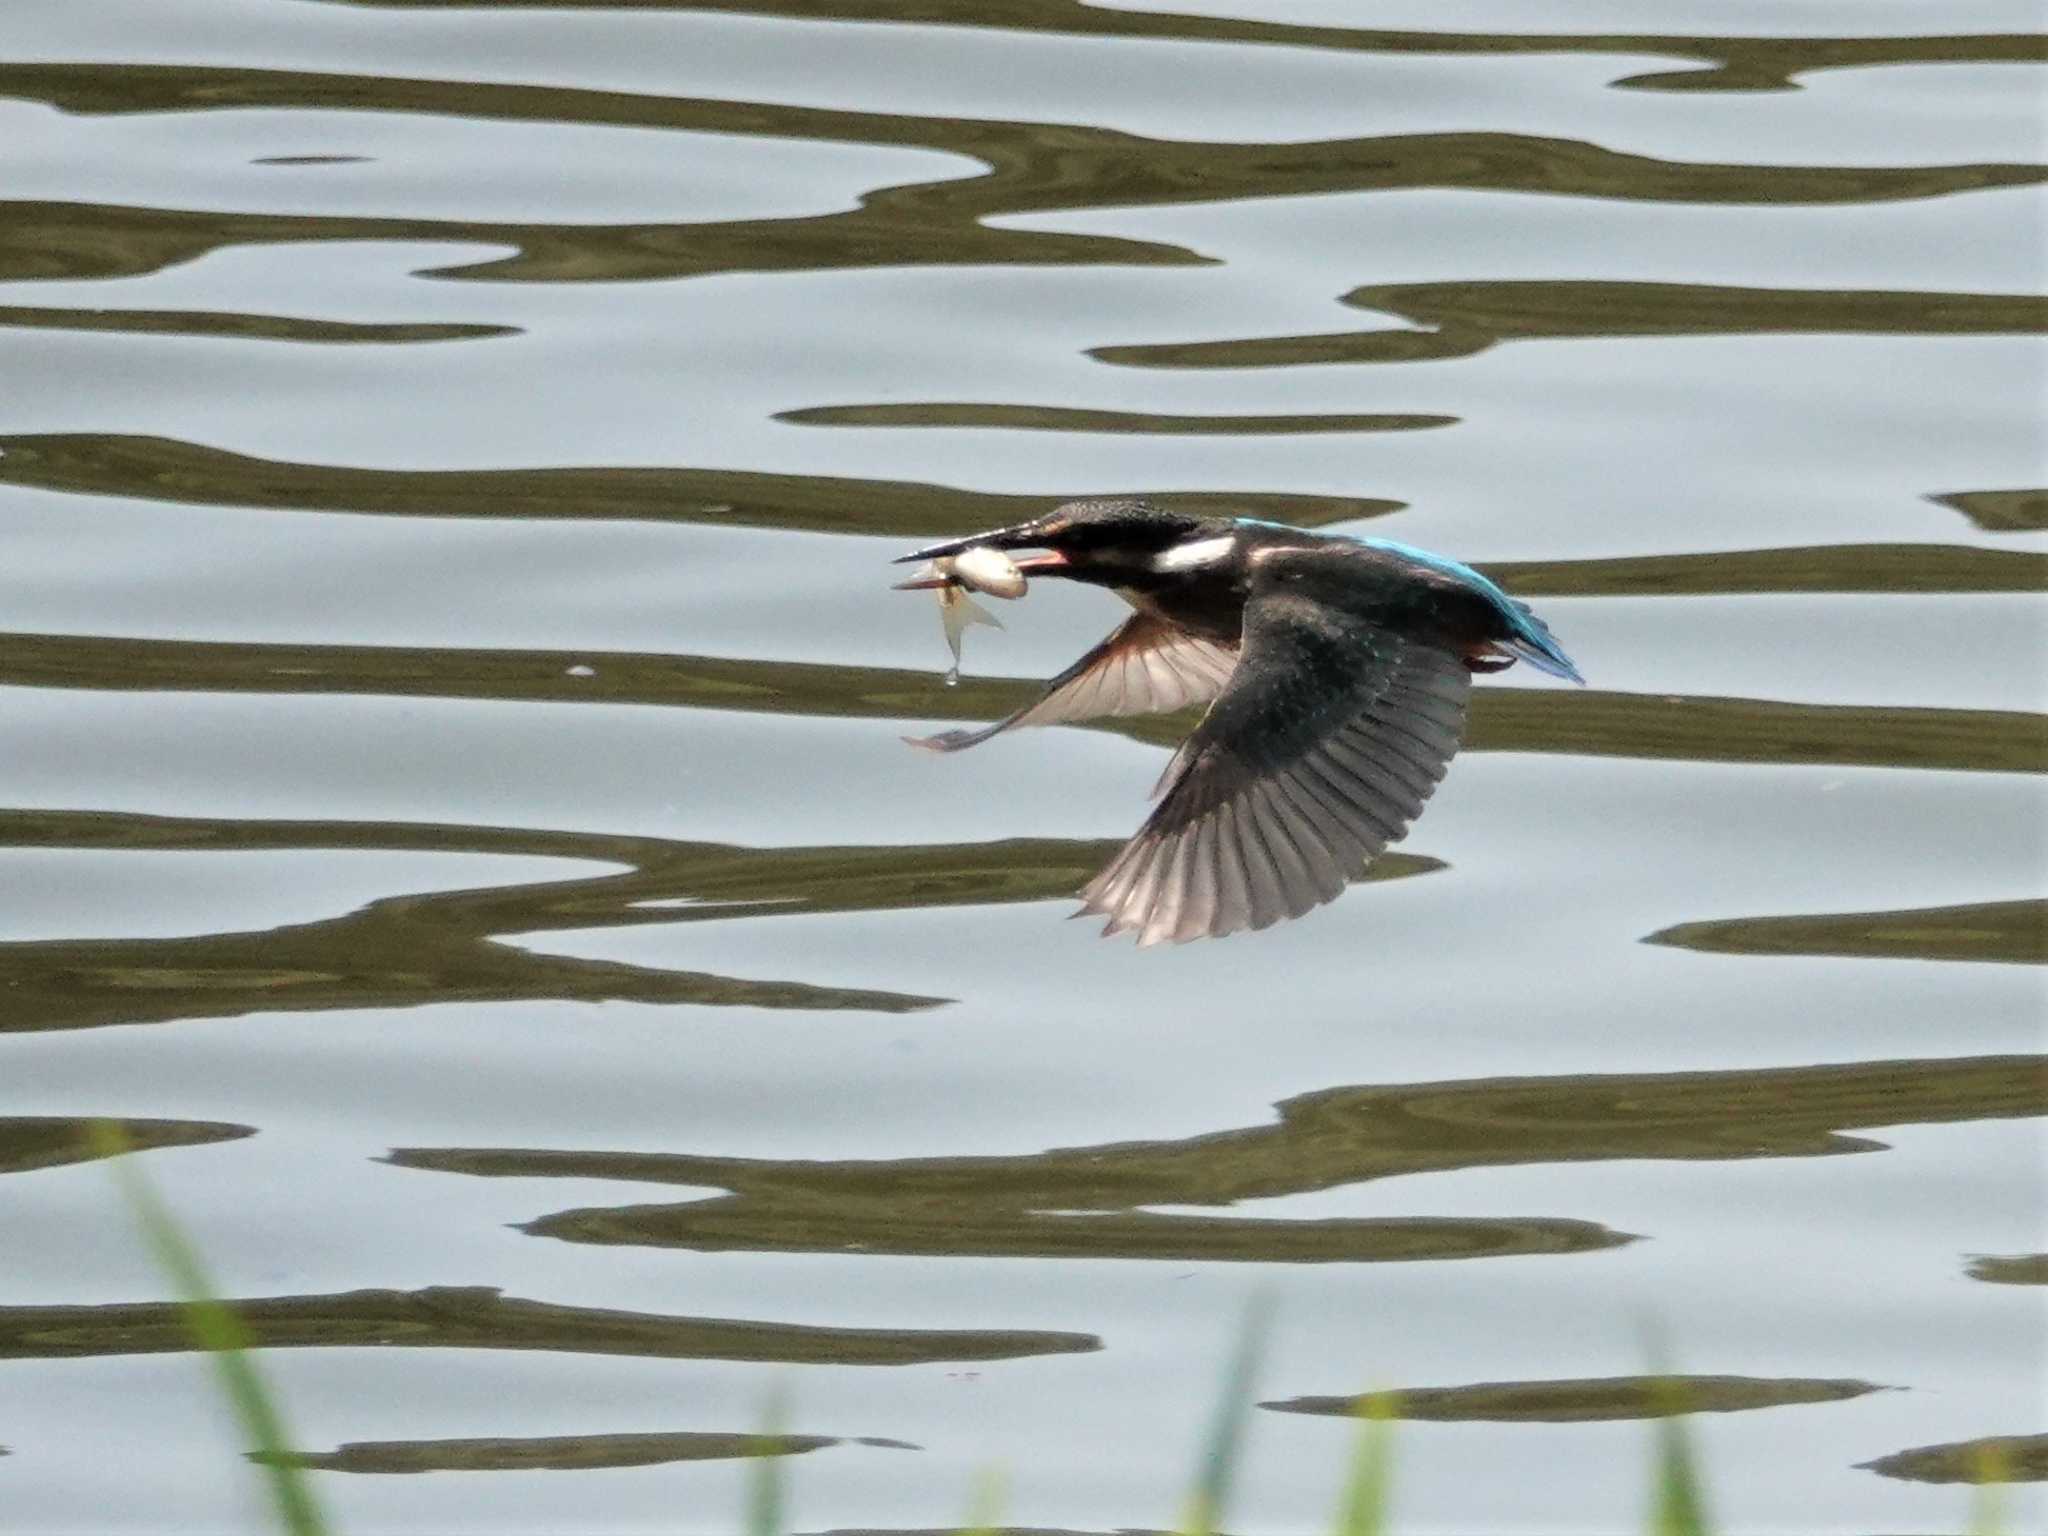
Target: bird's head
{"type": "Point", "coordinates": [1111, 541]}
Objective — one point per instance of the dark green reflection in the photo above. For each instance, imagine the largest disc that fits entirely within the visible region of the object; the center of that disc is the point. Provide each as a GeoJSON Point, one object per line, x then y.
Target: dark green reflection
{"type": "Point", "coordinates": [2001, 511]}
{"type": "Point", "coordinates": [560, 1453]}
{"type": "Point", "coordinates": [2011, 1269]}
{"type": "Point", "coordinates": [2018, 1458]}
{"type": "Point", "coordinates": [1096, 1201]}
{"type": "Point", "coordinates": [168, 470]}
{"type": "Point", "coordinates": [409, 951]}
{"type": "Point", "coordinates": [165, 469]}
{"type": "Point", "coordinates": [415, 950]}
{"type": "Point", "coordinates": [28, 1142]}
{"type": "Point", "coordinates": [209, 323]}
{"type": "Point", "coordinates": [1589, 1399]}
{"type": "Point", "coordinates": [1469, 317]}
{"type": "Point", "coordinates": [1724, 63]}
{"type": "Point", "coordinates": [1578, 722]}
{"type": "Point", "coordinates": [1712, 730]}
{"type": "Point", "coordinates": [2015, 932]}
{"type": "Point", "coordinates": [921, 1224]}
{"type": "Point", "coordinates": [1862, 568]}
{"type": "Point", "coordinates": [73, 241]}
{"type": "Point", "coordinates": [481, 1317]}
{"type": "Point", "coordinates": [1054, 418]}
{"type": "Point", "coordinates": [1031, 168]}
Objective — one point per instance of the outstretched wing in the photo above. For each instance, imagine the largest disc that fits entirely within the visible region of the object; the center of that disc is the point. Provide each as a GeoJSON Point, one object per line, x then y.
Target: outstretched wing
{"type": "Point", "coordinates": [1322, 750]}
{"type": "Point", "coordinates": [1146, 667]}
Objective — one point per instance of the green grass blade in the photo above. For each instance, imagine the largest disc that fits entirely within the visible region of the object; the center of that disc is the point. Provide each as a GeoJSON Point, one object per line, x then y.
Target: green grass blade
{"type": "Point", "coordinates": [1990, 1473]}
{"type": "Point", "coordinates": [1211, 1498]}
{"type": "Point", "coordinates": [216, 1330]}
{"type": "Point", "coordinates": [1363, 1511]}
{"type": "Point", "coordinates": [1677, 1507]}
{"type": "Point", "coordinates": [764, 1482]}
{"type": "Point", "coordinates": [985, 1503]}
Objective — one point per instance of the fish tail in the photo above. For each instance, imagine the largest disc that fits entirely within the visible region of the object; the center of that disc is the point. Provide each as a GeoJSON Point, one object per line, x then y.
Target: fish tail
{"type": "Point", "coordinates": [957, 611]}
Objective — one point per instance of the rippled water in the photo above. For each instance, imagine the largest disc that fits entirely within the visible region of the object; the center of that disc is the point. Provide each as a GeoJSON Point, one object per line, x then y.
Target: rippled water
{"type": "Point", "coordinates": [453, 806]}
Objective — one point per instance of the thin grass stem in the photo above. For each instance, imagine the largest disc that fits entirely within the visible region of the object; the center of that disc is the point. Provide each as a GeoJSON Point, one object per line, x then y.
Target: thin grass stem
{"type": "Point", "coordinates": [1210, 1502]}
{"type": "Point", "coordinates": [216, 1330]}
{"type": "Point", "coordinates": [1363, 1511]}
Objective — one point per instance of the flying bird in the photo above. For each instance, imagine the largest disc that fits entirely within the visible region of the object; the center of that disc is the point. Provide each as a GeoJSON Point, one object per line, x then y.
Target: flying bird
{"type": "Point", "coordinates": [1336, 671]}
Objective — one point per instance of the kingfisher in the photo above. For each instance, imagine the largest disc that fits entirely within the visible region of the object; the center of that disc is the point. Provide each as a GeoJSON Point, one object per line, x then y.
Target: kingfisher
{"type": "Point", "coordinates": [1336, 672]}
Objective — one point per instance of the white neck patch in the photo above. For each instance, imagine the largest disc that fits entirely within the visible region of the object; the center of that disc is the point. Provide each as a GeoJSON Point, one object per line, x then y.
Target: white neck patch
{"type": "Point", "coordinates": [1192, 557]}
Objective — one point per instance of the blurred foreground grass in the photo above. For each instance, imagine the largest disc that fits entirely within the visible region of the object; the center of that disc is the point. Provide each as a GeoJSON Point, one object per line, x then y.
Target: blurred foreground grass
{"type": "Point", "coordinates": [1677, 1505]}
{"type": "Point", "coordinates": [217, 1331]}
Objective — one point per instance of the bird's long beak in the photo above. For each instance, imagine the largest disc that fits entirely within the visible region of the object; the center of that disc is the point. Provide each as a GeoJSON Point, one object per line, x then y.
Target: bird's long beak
{"type": "Point", "coordinates": [1016, 536]}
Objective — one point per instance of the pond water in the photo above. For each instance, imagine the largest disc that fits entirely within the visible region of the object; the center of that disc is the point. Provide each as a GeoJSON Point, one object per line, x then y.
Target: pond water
{"type": "Point", "coordinates": [453, 807]}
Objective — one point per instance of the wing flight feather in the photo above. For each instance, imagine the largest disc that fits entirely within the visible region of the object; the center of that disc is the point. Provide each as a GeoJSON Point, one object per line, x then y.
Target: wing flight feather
{"type": "Point", "coordinates": [1145, 667]}
{"type": "Point", "coordinates": [1316, 754]}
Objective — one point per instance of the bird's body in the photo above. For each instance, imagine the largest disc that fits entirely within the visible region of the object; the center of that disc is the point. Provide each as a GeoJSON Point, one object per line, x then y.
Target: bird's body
{"type": "Point", "coordinates": [1336, 672]}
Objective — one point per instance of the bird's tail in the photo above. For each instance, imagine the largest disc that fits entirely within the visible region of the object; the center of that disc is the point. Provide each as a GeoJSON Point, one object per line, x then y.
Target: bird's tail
{"type": "Point", "coordinates": [1533, 642]}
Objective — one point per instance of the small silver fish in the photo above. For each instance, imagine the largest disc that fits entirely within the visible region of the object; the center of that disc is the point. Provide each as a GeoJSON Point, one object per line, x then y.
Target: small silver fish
{"type": "Point", "coordinates": [978, 569]}
{"type": "Point", "coordinates": [987, 570]}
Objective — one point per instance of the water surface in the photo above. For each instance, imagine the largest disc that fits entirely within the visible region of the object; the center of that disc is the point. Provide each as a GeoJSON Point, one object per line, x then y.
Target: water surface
{"type": "Point", "coordinates": [454, 812]}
